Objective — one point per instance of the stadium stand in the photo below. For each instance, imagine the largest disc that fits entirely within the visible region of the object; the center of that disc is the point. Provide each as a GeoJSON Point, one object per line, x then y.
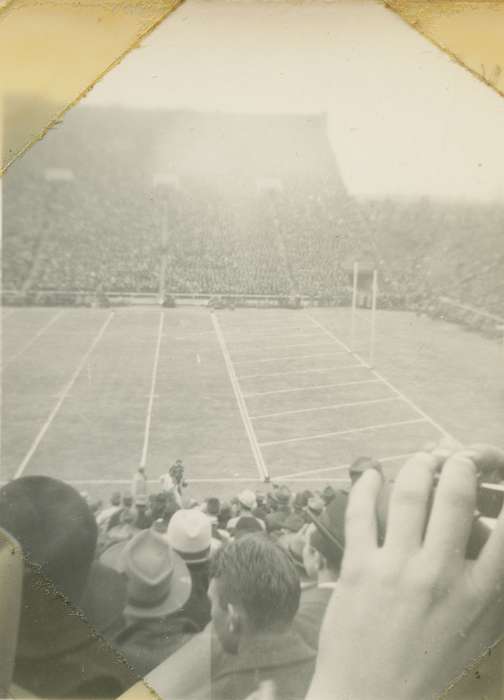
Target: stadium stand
{"type": "Point", "coordinates": [224, 221]}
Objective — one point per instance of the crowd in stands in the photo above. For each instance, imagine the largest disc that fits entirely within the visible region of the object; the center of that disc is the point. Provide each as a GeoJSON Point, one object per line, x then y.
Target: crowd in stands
{"type": "Point", "coordinates": [286, 241]}
{"type": "Point", "coordinates": [326, 594]}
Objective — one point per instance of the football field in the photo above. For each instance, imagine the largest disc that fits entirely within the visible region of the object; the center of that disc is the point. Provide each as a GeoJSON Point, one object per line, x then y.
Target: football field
{"type": "Point", "coordinates": [90, 394]}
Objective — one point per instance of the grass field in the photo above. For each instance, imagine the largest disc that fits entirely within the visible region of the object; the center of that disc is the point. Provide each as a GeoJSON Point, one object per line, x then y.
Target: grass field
{"type": "Point", "coordinates": [90, 394]}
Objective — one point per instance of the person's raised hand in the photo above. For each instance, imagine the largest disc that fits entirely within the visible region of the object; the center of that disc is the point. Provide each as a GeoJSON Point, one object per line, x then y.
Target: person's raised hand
{"type": "Point", "coordinates": [408, 617]}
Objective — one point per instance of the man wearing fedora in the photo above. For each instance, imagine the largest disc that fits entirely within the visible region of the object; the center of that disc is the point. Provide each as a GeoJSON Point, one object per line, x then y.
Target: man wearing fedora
{"type": "Point", "coordinates": [247, 504]}
{"type": "Point", "coordinates": [189, 533]}
{"type": "Point", "coordinates": [158, 587]}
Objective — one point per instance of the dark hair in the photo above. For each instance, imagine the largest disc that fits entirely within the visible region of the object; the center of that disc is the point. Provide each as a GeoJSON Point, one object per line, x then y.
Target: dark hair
{"type": "Point", "coordinates": [259, 575]}
{"type": "Point", "coordinates": [247, 524]}
{"type": "Point", "coordinates": [55, 528]}
{"type": "Point", "coordinates": [213, 506]}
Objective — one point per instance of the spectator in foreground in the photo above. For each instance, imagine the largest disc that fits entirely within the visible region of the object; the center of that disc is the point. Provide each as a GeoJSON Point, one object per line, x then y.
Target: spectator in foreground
{"type": "Point", "coordinates": [411, 614]}
{"type": "Point", "coordinates": [158, 587]}
{"type": "Point", "coordinates": [59, 655]}
{"type": "Point", "coordinates": [190, 535]}
{"type": "Point", "coordinates": [255, 594]}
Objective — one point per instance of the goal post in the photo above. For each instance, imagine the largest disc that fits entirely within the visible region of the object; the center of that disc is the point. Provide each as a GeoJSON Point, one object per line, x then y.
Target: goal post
{"type": "Point", "coordinates": [357, 272]}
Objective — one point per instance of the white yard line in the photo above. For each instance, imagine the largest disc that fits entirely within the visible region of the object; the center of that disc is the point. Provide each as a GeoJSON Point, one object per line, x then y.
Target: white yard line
{"type": "Point", "coordinates": [152, 394]}
{"type": "Point", "coordinates": [340, 467]}
{"type": "Point", "coordinates": [299, 371]}
{"type": "Point", "coordinates": [37, 335]}
{"type": "Point", "coordinates": [189, 336]}
{"type": "Point", "coordinates": [281, 358]}
{"type": "Point", "coordinates": [324, 343]}
{"type": "Point", "coordinates": [309, 388]}
{"type": "Point", "coordinates": [251, 339]}
{"type": "Point", "coordinates": [64, 393]}
{"type": "Point", "coordinates": [326, 408]}
{"type": "Point", "coordinates": [126, 482]}
{"type": "Point", "coordinates": [378, 426]}
{"type": "Point", "coordinates": [385, 381]}
{"type": "Point", "coordinates": [217, 480]}
{"type": "Point", "coordinates": [242, 406]}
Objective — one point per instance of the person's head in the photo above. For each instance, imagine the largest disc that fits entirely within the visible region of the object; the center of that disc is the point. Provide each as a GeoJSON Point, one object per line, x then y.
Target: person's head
{"type": "Point", "coordinates": [282, 497]}
{"type": "Point", "coordinates": [247, 524]}
{"type": "Point", "coordinates": [247, 501]}
{"type": "Point", "coordinates": [362, 464]}
{"type": "Point", "coordinates": [141, 501]}
{"type": "Point", "coordinates": [212, 506]}
{"type": "Point", "coordinates": [328, 494]}
{"type": "Point", "coordinates": [115, 499]}
{"type": "Point", "coordinates": [158, 581]}
{"type": "Point", "coordinates": [254, 590]}
{"type": "Point", "coordinates": [55, 528]}
{"type": "Point", "coordinates": [127, 500]}
{"type": "Point", "coordinates": [190, 534]}
{"type": "Point", "coordinates": [141, 470]}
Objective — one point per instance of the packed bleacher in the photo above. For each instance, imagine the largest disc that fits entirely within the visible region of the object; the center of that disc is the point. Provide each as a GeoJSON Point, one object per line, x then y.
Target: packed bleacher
{"type": "Point", "coordinates": [292, 241]}
{"type": "Point", "coordinates": [322, 593]}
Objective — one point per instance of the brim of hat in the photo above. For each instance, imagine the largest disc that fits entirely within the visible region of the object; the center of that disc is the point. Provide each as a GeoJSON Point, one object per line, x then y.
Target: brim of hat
{"type": "Point", "coordinates": [113, 556]}
{"type": "Point", "coordinates": [180, 590]}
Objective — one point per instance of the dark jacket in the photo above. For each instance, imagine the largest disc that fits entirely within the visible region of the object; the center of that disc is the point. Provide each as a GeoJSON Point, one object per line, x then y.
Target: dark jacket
{"type": "Point", "coordinates": [197, 607]}
{"type": "Point", "coordinates": [310, 615]}
{"type": "Point", "coordinates": [146, 643]}
{"type": "Point", "coordinates": [284, 658]}
{"type": "Point", "coordinates": [59, 654]}
{"type": "Point", "coordinates": [104, 598]}
{"type": "Point", "coordinates": [276, 520]}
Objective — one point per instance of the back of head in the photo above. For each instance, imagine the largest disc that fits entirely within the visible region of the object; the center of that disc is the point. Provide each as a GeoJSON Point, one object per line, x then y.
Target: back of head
{"type": "Point", "coordinates": [258, 576]}
{"type": "Point", "coordinates": [213, 506]}
{"type": "Point", "coordinates": [246, 525]}
{"type": "Point", "coordinates": [55, 528]}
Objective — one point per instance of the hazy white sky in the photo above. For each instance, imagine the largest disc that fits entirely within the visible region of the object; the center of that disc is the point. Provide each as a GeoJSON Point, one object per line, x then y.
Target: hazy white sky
{"type": "Point", "coordinates": [403, 118]}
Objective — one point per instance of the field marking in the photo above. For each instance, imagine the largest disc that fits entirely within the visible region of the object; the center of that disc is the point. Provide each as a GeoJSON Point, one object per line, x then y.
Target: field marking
{"type": "Point", "coordinates": [326, 408]}
{"type": "Point", "coordinates": [296, 345]}
{"type": "Point", "coordinates": [216, 480]}
{"type": "Point", "coordinates": [37, 335]}
{"type": "Point", "coordinates": [340, 467]}
{"type": "Point", "coordinates": [152, 393]}
{"type": "Point", "coordinates": [377, 426]}
{"type": "Point", "coordinates": [190, 335]}
{"type": "Point", "coordinates": [289, 357]}
{"type": "Point", "coordinates": [387, 383]}
{"type": "Point", "coordinates": [284, 337]}
{"type": "Point", "coordinates": [242, 406]}
{"type": "Point", "coordinates": [312, 386]}
{"type": "Point", "coordinates": [298, 371]}
{"type": "Point", "coordinates": [65, 391]}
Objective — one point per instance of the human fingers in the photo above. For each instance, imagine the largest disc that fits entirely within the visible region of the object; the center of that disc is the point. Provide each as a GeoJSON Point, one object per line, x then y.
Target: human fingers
{"type": "Point", "coordinates": [408, 507]}
{"type": "Point", "coordinates": [361, 530]}
{"type": "Point", "coordinates": [452, 512]}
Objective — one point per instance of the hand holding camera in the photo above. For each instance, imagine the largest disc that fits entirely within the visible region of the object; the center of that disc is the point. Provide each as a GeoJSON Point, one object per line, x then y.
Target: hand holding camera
{"type": "Point", "coordinates": [416, 609]}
